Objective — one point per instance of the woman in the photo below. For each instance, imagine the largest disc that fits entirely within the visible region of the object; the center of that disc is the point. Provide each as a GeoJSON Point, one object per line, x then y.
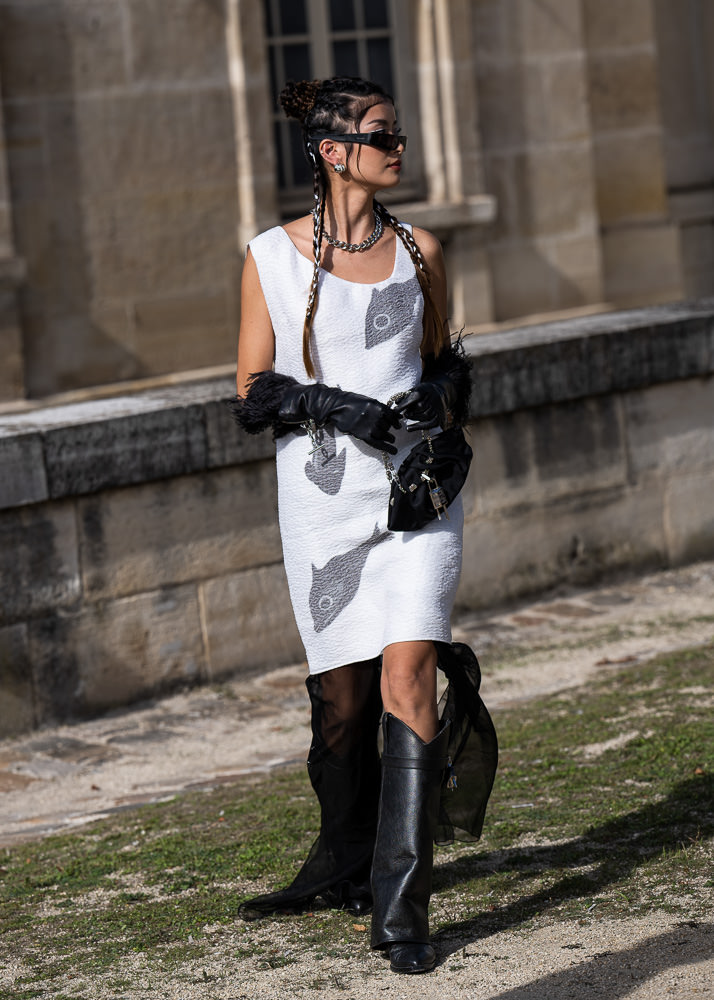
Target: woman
{"type": "Point", "coordinates": [372, 605]}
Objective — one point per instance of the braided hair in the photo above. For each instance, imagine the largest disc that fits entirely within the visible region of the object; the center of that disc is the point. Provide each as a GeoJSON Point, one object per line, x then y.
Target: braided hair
{"type": "Point", "coordinates": [332, 106]}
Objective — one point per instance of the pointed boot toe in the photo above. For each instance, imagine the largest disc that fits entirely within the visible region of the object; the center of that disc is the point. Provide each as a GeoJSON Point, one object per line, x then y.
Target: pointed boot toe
{"type": "Point", "coordinates": [411, 957]}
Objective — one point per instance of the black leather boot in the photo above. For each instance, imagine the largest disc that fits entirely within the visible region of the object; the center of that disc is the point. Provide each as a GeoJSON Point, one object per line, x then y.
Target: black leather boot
{"type": "Point", "coordinates": [344, 769]}
{"type": "Point", "coordinates": [403, 855]}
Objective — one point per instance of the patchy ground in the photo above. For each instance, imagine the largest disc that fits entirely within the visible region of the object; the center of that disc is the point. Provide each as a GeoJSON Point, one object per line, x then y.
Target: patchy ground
{"type": "Point", "coordinates": [593, 879]}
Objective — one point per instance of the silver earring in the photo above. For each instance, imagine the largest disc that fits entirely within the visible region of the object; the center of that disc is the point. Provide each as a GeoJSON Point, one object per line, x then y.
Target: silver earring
{"type": "Point", "coordinates": [339, 168]}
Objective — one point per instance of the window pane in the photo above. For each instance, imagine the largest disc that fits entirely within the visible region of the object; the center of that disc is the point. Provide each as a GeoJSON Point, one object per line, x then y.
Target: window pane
{"type": "Point", "coordinates": [346, 58]}
{"type": "Point", "coordinates": [296, 59]}
{"type": "Point", "coordinates": [293, 18]}
{"type": "Point", "coordinates": [277, 135]}
{"type": "Point", "coordinates": [380, 62]}
{"type": "Point", "coordinates": [269, 26]}
{"type": "Point", "coordinates": [342, 15]}
{"type": "Point", "coordinates": [376, 14]}
{"type": "Point", "coordinates": [302, 174]}
{"type": "Point", "coordinates": [275, 76]}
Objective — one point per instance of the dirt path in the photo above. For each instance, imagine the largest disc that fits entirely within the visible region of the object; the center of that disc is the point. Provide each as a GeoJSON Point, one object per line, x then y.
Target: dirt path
{"type": "Point", "coordinates": [66, 776]}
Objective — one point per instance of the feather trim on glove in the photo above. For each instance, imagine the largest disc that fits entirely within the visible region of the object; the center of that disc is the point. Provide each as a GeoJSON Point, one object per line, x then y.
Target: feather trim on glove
{"type": "Point", "coordinates": [259, 408]}
{"type": "Point", "coordinates": [453, 363]}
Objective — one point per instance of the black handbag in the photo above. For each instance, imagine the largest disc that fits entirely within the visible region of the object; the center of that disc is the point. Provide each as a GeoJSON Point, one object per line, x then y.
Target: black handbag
{"type": "Point", "coordinates": [429, 479]}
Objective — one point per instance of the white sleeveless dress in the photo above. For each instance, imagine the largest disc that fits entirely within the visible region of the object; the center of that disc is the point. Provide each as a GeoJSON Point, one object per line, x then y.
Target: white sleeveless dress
{"type": "Point", "coordinates": [355, 586]}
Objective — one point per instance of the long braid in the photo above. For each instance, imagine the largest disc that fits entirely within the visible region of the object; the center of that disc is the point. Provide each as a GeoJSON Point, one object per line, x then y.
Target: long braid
{"type": "Point", "coordinates": [318, 228]}
{"type": "Point", "coordinates": [331, 106]}
{"type": "Point", "coordinates": [434, 336]}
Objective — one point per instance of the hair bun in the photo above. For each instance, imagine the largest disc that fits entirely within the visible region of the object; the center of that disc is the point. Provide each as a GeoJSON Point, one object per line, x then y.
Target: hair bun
{"type": "Point", "coordinates": [297, 99]}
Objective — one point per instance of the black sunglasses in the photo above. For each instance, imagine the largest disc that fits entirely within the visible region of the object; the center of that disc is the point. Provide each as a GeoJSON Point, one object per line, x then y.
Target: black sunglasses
{"type": "Point", "coordinates": [386, 141]}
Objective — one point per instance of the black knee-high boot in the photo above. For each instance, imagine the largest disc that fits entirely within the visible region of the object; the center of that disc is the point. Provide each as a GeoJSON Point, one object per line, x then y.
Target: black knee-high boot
{"type": "Point", "coordinates": [344, 770]}
{"type": "Point", "coordinates": [412, 772]}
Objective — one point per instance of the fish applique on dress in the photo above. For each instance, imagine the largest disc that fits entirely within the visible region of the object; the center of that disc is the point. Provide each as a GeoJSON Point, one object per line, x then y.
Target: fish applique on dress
{"type": "Point", "coordinates": [326, 468]}
{"type": "Point", "coordinates": [391, 309]}
{"type": "Point", "coordinates": [335, 585]}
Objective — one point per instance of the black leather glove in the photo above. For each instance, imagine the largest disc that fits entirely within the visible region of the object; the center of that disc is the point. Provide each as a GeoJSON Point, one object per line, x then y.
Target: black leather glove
{"type": "Point", "coordinates": [360, 416]}
{"type": "Point", "coordinates": [442, 396]}
{"type": "Point", "coordinates": [429, 403]}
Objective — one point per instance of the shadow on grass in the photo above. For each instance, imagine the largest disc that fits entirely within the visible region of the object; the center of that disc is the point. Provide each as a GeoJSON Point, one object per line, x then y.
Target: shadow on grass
{"type": "Point", "coordinates": [616, 974]}
{"type": "Point", "coordinates": [612, 851]}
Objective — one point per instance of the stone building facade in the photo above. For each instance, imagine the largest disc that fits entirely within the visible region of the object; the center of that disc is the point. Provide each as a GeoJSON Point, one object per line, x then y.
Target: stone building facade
{"type": "Point", "coordinates": [562, 149]}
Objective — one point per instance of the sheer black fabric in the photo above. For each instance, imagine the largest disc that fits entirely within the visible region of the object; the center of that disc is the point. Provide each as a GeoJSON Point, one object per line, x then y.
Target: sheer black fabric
{"type": "Point", "coordinates": [344, 769]}
{"type": "Point", "coordinates": [473, 746]}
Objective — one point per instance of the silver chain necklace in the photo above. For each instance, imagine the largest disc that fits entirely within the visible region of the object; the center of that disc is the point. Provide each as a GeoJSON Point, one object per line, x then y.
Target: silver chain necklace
{"type": "Point", "coordinates": [357, 247]}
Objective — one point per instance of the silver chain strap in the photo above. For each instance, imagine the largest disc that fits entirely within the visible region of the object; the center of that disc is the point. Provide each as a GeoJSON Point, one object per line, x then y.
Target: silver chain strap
{"type": "Point", "coordinates": [436, 493]}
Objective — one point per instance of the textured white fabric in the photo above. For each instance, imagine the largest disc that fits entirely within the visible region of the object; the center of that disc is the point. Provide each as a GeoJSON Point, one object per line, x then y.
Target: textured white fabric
{"type": "Point", "coordinates": [355, 586]}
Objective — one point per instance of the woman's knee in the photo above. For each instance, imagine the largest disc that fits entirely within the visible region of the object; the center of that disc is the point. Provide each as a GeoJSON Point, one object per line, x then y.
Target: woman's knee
{"type": "Point", "coordinates": [409, 670]}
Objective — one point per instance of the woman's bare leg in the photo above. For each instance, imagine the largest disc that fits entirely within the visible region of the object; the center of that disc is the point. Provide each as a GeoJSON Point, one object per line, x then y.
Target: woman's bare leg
{"type": "Point", "coordinates": [409, 685]}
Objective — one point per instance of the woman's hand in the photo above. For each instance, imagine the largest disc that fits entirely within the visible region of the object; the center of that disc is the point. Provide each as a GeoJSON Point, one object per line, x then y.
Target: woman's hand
{"type": "Point", "coordinates": [426, 404]}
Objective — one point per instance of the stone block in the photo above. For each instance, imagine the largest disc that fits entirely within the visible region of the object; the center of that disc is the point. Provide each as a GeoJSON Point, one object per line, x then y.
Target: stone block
{"type": "Point", "coordinates": [228, 444]}
{"type": "Point", "coordinates": [697, 243]}
{"type": "Point", "coordinates": [183, 332]}
{"type": "Point", "coordinates": [533, 457]}
{"type": "Point", "coordinates": [495, 30]}
{"type": "Point", "coordinates": [556, 191]}
{"type": "Point", "coordinates": [501, 172]}
{"type": "Point", "coordinates": [502, 470]}
{"type": "Point", "coordinates": [689, 517]}
{"type": "Point", "coordinates": [17, 709]}
{"type": "Point", "coordinates": [38, 561]}
{"type": "Point", "coordinates": [578, 261]}
{"type": "Point", "coordinates": [629, 172]}
{"type": "Point", "coordinates": [524, 281]}
{"type": "Point", "coordinates": [470, 279]}
{"type": "Point", "coordinates": [116, 652]}
{"type": "Point", "coordinates": [163, 243]}
{"type": "Point", "coordinates": [23, 478]}
{"type": "Point", "coordinates": [249, 622]}
{"type": "Point", "coordinates": [566, 100]}
{"type": "Point", "coordinates": [613, 24]}
{"type": "Point", "coordinates": [152, 142]}
{"type": "Point", "coordinates": [512, 106]}
{"type": "Point", "coordinates": [670, 429]}
{"type": "Point", "coordinates": [26, 150]}
{"type": "Point", "coordinates": [174, 531]}
{"type": "Point", "coordinates": [642, 264]}
{"type": "Point", "coordinates": [574, 540]}
{"type": "Point", "coordinates": [49, 48]}
{"type": "Point", "coordinates": [102, 453]}
{"type": "Point", "coordinates": [182, 41]}
{"type": "Point", "coordinates": [623, 90]}
{"type": "Point", "coordinates": [549, 29]}
{"type": "Point", "coordinates": [12, 383]}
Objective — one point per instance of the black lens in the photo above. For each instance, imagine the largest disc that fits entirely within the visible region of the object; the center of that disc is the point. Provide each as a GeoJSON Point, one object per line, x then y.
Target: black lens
{"type": "Point", "coordinates": [387, 140]}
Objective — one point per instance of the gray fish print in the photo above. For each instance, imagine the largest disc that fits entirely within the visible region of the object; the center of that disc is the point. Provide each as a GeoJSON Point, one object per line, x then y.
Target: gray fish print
{"type": "Point", "coordinates": [390, 310]}
{"type": "Point", "coordinates": [335, 585]}
{"type": "Point", "coordinates": [326, 469]}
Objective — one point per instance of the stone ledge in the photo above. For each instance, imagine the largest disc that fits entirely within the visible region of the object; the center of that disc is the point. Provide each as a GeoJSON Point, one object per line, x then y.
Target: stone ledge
{"type": "Point", "coordinates": [84, 447]}
{"type": "Point", "coordinates": [590, 355]}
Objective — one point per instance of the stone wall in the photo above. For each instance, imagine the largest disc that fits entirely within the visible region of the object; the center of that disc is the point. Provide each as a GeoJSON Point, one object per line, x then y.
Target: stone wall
{"type": "Point", "coordinates": [120, 146]}
{"type": "Point", "coordinates": [139, 546]}
{"type": "Point", "coordinates": [566, 150]}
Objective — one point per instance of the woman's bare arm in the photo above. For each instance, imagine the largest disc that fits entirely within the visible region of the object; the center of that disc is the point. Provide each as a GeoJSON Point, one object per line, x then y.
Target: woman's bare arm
{"type": "Point", "coordinates": [256, 339]}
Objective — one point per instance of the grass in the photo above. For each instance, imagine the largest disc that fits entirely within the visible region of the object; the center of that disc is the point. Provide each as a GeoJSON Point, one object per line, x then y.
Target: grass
{"type": "Point", "coordinates": [603, 806]}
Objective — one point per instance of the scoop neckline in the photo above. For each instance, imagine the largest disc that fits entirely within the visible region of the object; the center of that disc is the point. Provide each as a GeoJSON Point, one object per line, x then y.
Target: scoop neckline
{"type": "Point", "coordinates": [329, 274]}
